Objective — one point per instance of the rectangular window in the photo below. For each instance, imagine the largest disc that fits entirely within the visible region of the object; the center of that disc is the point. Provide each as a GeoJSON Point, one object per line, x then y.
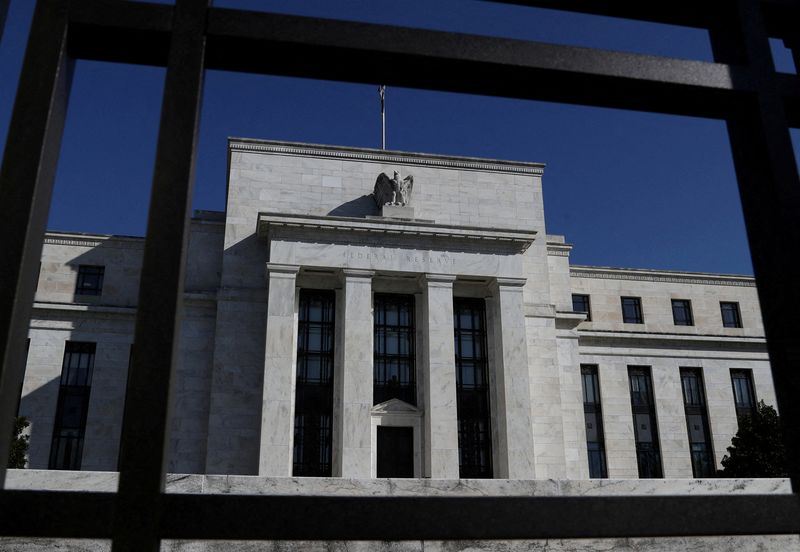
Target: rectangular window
{"type": "Point", "coordinates": [632, 310]}
{"type": "Point", "coordinates": [69, 428]}
{"type": "Point", "coordinates": [90, 280]}
{"type": "Point", "coordinates": [393, 359]}
{"type": "Point", "coordinates": [593, 414]}
{"type": "Point", "coordinates": [694, 405]}
{"type": "Point", "coordinates": [645, 427]}
{"type": "Point", "coordinates": [472, 389]}
{"type": "Point", "coordinates": [313, 414]}
{"type": "Point", "coordinates": [682, 312]}
{"type": "Point", "coordinates": [731, 317]}
{"type": "Point", "coordinates": [744, 395]}
{"type": "Point", "coordinates": [580, 303]}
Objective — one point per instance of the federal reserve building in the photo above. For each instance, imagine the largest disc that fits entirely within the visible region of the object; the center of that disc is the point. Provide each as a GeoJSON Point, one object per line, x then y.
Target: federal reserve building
{"type": "Point", "coordinates": [372, 322]}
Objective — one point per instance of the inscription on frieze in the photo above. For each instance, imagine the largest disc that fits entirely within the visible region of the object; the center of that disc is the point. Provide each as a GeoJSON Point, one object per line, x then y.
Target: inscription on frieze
{"type": "Point", "coordinates": [412, 258]}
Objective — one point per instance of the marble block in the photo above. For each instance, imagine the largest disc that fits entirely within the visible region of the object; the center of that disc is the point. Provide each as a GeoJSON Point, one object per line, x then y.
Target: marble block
{"type": "Point", "coordinates": [397, 211]}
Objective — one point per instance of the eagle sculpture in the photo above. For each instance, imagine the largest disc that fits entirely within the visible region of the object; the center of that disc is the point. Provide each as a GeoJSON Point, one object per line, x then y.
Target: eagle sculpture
{"type": "Point", "coordinates": [393, 191]}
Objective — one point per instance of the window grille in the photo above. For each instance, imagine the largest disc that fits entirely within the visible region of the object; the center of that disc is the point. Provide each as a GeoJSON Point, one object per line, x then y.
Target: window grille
{"type": "Point", "coordinates": [313, 414]}
{"type": "Point", "coordinates": [699, 430]}
{"type": "Point", "coordinates": [632, 310]}
{"type": "Point", "coordinates": [90, 280]}
{"type": "Point", "coordinates": [394, 363]}
{"type": "Point", "coordinates": [72, 408]}
{"type": "Point", "coordinates": [472, 389]}
{"type": "Point", "coordinates": [645, 426]}
{"type": "Point", "coordinates": [593, 414]}
{"type": "Point", "coordinates": [744, 394]}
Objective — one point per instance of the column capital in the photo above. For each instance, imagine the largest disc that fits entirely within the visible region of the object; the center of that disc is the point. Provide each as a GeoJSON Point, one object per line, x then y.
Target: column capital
{"type": "Point", "coordinates": [357, 273]}
{"type": "Point", "coordinates": [275, 269]}
{"type": "Point", "coordinates": [439, 280]}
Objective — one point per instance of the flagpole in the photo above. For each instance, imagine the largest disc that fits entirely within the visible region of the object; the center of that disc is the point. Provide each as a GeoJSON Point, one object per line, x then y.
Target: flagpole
{"type": "Point", "coordinates": [382, 92]}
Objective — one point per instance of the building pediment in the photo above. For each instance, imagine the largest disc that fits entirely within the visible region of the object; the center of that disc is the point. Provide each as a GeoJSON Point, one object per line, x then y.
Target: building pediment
{"type": "Point", "coordinates": [396, 407]}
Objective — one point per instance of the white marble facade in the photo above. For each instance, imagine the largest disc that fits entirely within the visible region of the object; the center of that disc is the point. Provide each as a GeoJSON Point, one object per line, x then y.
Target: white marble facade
{"type": "Point", "coordinates": [301, 217]}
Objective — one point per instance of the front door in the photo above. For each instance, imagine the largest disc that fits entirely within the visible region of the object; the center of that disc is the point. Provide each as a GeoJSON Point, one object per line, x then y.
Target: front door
{"type": "Point", "coordinates": [395, 451]}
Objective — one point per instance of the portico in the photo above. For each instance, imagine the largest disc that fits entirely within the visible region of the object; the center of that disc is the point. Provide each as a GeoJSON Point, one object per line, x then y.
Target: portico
{"type": "Point", "coordinates": [358, 257]}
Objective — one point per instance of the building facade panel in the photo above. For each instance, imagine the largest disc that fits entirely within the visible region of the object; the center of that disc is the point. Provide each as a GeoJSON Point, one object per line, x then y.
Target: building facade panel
{"type": "Point", "coordinates": [502, 399]}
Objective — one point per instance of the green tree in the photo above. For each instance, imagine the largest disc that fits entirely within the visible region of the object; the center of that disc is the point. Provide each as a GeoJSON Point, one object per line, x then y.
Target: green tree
{"type": "Point", "coordinates": [757, 450]}
{"type": "Point", "coordinates": [19, 444]}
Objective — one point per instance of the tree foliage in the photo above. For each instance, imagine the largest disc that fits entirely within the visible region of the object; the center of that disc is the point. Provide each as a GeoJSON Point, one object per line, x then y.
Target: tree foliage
{"type": "Point", "coordinates": [757, 450]}
{"type": "Point", "coordinates": [19, 444]}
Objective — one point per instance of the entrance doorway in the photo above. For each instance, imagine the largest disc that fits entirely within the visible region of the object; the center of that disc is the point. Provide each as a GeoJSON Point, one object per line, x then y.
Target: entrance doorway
{"type": "Point", "coordinates": [395, 451]}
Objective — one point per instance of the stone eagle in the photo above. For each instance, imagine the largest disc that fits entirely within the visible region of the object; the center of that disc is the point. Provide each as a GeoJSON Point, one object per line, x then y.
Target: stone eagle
{"type": "Point", "coordinates": [393, 191]}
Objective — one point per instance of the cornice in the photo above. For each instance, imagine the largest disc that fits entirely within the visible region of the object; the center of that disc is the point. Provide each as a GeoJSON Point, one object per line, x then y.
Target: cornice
{"type": "Point", "coordinates": [608, 338]}
{"type": "Point", "coordinates": [520, 239]}
{"type": "Point", "coordinates": [92, 240]}
{"type": "Point", "coordinates": [382, 156]}
{"type": "Point", "coordinates": [558, 250]}
{"type": "Point", "coordinates": [667, 276]}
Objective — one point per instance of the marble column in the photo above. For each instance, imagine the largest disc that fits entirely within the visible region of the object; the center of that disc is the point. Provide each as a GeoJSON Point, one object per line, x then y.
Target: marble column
{"type": "Point", "coordinates": [515, 457]}
{"type": "Point", "coordinates": [439, 378]}
{"type": "Point", "coordinates": [280, 358]}
{"type": "Point", "coordinates": [353, 377]}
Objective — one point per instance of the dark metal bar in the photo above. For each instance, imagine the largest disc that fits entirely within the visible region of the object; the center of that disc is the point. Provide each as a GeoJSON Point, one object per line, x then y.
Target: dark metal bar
{"type": "Point", "coordinates": [3, 14]}
{"type": "Point", "coordinates": [26, 185]}
{"type": "Point", "coordinates": [359, 52]}
{"type": "Point", "coordinates": [56, 514]}
{"type": "Point", "coordinates": [769, 186]}
{"type": "Point", "coordinates": [143, 451]}
{"type": "Point", "coordinates": [238, 517]}
{"type": "Point", "coordinates": [778, 14]}
{"type": "Point", "coordinates": [418, 518]}
{"type": "Point", "coordinates": [122, 32]}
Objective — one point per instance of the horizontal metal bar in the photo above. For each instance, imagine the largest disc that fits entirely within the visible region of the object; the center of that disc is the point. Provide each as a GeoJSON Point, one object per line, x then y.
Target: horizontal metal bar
{"type": "Point", "coordinates": [123, 32]}
{"type": "Point", "coordinates": [360, 52]}
{"type": "Point", "coordinates": [417, 518]}
{"type": "Point", "coordinates": [244, 517]}
{"type": "Point", "coordinates": [780, 16]}
{"type": "Point", "coordinates": [56, 514]}
{"type": "Point", "coordinates": [288, 45]}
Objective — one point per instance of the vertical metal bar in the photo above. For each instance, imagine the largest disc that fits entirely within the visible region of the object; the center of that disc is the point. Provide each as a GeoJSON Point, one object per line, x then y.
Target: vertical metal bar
{"type": "Point", "coordinates": [3, 14]}
{"type": "Point", "coordinates": [26, 185]}
{"type": "Point", "coordinates": [793, 45]}
{"type": "Point", "coordinates": [144, 444]}
{"type": "Point", "coordinates": [770, 190]}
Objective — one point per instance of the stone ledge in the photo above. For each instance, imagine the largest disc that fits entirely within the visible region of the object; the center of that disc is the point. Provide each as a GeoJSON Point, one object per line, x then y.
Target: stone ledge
{"type": "Point", "coordinates": [520, 238]}
{"type": "Point", "coordinates": [333, 486]}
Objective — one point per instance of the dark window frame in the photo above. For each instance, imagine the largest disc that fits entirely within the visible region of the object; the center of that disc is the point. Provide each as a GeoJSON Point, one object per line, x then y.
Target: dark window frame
{"type": "Point", "coordinates": [695, 405]}
{"type": "Point", "coordinates": [584, 298]}
{"type": "Point", "coordinates": [473, 401]}
{"type": "Point", "coordinates": [636, 316]}
{"type": "Point", "coordinates": [90, 280]}
{"type": "Point", "coordinates": [313, 413]}
{"type": "Point", "coordinates": [66, 444]}
{"type": "Point", "coordinates": [643, 403]}
{"type": "Point", "coordinates": [593, 410]}
{"type": "Point", "coordinates": [735, 319]}
{"type": "Point", "coordinates": [384, 333]}
{"type": "Point", "coordinates": [684, 310]}
{"type": "Point", "coordinates": [746, 387]}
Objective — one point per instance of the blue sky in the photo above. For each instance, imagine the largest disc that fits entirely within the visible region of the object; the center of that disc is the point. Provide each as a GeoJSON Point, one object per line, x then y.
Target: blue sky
{"type": "Point", "coordinates": [627, 189]}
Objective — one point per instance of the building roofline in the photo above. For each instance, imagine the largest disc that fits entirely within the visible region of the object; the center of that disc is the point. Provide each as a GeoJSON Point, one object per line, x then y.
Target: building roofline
{"type": "Point", "coordinates": [653, 275]}
{"type": "Point", "coordinates": [252, 145]}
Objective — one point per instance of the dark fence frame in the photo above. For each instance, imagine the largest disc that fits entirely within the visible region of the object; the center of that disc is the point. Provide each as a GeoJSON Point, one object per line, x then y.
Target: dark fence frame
{"type": "Point", "coordinates": [740, 87]}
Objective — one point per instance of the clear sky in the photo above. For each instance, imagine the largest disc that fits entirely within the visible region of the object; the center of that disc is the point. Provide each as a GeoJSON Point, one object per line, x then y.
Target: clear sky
{"type": "Point", "coordinates": [627, 189]}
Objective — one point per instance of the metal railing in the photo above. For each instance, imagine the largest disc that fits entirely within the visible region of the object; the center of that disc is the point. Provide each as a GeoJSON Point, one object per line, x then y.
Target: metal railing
{"type": "Point", "coordinates": [740, 87]}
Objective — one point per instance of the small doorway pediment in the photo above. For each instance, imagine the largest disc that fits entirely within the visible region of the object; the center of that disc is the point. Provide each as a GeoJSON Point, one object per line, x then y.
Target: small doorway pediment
{"type": "Point", "coordinates": [396, 406]}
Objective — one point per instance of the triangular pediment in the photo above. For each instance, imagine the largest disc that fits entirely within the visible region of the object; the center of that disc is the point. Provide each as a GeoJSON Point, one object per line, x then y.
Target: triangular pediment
{"type": "Point", "coordinates": [395, 406]}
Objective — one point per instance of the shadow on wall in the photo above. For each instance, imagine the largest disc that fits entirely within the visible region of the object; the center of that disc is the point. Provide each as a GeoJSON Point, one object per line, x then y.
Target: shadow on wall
{"type": "Point", "coordinates": [39, 407]}
{"type": "Point", "coordinates": [359, 207]}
